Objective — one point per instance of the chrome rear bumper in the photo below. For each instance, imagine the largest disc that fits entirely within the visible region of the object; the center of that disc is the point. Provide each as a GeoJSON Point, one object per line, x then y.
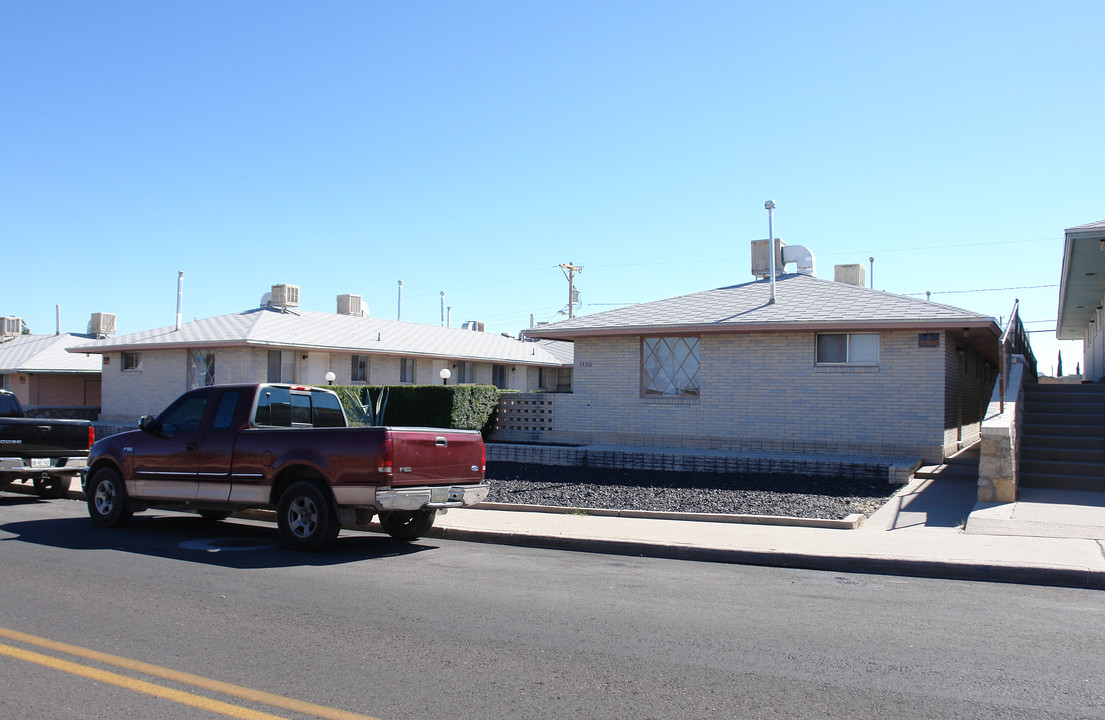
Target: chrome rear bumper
{"type": "Point", "coordinates": [445, 496]}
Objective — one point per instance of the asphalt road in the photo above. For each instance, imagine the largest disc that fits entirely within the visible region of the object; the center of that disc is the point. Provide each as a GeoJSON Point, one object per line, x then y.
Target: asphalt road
{"type": "Point", "coordinates": [443, 630]}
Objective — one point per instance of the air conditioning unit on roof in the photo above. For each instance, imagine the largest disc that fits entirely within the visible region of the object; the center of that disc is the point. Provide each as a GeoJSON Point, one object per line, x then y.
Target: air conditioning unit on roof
{"type": "Point", "coordinates": [11, 326]}
{"type": "Point", "coordinates": [101, 324]}
{"type": "Point", "coordinates": [285, 296]}
{"type": "Point", "coordinates": [350, 305]}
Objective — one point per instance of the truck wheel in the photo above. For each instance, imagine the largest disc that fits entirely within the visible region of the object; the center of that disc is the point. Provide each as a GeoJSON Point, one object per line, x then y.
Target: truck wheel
{"type": "Point", "coordinates": [407, 524]}
{"type": "Point", "coordinates": [306, 518]}
{"type": "Point", "coordinates": [53, 487]}
{"type": "Point", "coordinates": [107, 499]}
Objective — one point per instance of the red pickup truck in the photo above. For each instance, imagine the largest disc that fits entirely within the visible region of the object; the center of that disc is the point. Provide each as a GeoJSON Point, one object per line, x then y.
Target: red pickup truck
{"type": "Point", "coordinates": [223, 448]}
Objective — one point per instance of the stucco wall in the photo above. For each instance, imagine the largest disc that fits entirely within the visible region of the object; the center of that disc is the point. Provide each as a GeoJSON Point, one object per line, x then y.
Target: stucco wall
{"type": "Point", "coordinates": [74, 390]}
{"type": "Point", "coordinates": [1093, 349]}
{"type": "Point", "coordinates": [763, 392]}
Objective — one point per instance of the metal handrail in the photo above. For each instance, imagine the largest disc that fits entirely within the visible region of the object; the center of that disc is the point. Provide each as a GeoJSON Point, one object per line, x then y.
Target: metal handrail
{"type": "Point", "coordinates": [1014, 341]}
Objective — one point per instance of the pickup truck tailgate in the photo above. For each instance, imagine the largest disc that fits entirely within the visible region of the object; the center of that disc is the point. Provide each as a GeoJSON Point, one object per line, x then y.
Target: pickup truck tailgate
{"type": "Point", "coordinates": [431, 456]}
{"type": "Point", "coordinates": [30, 437]}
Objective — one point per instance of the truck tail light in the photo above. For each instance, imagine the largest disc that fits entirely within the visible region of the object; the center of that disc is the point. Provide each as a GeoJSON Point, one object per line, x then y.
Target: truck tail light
{"type": "Point", "coordinates": [91, 436]}
{"type": "Point", "coordinates": [483, 458]}
{"type": "Point", "coordinates": [383, 457]}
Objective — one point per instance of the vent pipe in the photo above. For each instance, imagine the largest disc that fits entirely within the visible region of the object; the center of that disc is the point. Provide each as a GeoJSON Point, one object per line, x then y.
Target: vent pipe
{"type": "Point", "coordinates": [442, 308]}
{"type": "Point", "coordinates": [179, 296]}
{"type": "Point", "coordinates": [770, 207]}
{"type": "Point", "coordinates": [57, 313]}
{"type": "Point", "coordinates": [399, 310]}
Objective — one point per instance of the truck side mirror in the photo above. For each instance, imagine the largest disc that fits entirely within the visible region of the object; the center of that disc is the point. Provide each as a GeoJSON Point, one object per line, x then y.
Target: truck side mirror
{"type": "Point", "coordinates": [148, 423]}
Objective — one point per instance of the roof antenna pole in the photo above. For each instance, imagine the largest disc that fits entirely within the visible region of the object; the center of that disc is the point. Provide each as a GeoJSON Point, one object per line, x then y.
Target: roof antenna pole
{"type": "Point", "coordinates": [770, 207]}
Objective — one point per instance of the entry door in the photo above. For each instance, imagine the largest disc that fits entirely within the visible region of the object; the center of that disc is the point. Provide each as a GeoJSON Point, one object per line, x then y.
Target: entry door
{"type": "Point", "coordinates": [318, 364]}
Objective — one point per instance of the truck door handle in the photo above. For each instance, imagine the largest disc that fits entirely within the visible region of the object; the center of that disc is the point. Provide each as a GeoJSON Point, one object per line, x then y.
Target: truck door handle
{"type": "Point", "coordinates": [192, 447]}
{"type": "Point", "coordinates": [440, 442]}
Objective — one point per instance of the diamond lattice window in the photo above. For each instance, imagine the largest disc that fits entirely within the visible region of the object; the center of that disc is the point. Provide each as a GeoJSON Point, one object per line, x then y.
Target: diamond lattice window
{"type": "Point", "coordinates": [670, 367]}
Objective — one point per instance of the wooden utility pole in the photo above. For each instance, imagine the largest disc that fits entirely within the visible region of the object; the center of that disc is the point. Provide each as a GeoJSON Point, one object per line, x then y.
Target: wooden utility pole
{"type": "Point", "coordinates": [569, 272]}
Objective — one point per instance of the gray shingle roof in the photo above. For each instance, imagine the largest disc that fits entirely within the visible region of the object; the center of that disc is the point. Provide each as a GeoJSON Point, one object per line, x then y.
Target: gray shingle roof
{"type": "Point", "coordinates": [1099, 225]}
{"type": "Point", "coordinates": [801, 301]}
{"type": "Point", "coordinates": [269, 327]}
{"type": "Point", "coordinates": [46, 354]}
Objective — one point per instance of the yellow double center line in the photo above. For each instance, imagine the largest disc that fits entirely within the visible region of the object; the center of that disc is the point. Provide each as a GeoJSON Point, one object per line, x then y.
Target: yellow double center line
{"type": "Point", "coordinates": [160, 691]}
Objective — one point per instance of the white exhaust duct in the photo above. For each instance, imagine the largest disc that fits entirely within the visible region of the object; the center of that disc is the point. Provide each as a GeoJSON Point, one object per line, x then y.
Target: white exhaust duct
{"type": "Point", "coordinates": [803, 257]}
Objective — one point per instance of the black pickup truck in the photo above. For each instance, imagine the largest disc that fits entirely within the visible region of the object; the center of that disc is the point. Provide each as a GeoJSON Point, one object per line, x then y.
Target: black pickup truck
{"type": "Point", "coordinates": [49, 452]}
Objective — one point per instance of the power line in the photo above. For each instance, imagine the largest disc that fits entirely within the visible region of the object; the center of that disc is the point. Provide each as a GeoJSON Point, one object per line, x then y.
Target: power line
{"type": "Point", "coordinates": [954, 292]}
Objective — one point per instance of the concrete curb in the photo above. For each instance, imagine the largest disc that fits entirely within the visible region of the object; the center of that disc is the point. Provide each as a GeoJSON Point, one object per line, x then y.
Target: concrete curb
{"type": "Point", "coordinates": [937, 569]}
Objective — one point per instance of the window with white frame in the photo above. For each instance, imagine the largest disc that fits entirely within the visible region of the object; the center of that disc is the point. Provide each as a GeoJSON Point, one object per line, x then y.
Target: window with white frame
{"type": "Point", "coordinates": [670, 367]}
{"type": "Point", "coordinates": [358, 371]}
{"type": "Point", "coordinates": [847, 348]}
{"type": "Point", "coordinates": [132, 361]}
{"type": "Point", "coordinates": [406, 370]}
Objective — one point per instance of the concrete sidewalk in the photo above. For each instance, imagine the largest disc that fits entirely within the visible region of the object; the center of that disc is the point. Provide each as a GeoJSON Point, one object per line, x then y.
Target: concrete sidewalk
{"type": "Point", "coordinates": [931, 528]}
{"type": "Point", "coordinates": [918, 533]}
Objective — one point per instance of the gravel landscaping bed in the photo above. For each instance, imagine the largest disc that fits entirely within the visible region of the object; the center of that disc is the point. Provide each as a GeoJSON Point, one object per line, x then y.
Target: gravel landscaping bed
{"type": "Point", "coordinates": [790, 495]}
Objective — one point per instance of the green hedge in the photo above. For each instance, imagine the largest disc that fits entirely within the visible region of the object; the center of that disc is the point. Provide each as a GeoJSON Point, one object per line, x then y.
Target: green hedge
{"type": "Point", "coordinates": [461, 407]}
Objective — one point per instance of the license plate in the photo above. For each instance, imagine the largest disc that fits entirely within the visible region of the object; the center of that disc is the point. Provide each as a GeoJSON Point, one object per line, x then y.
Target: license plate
{"type": "Point", "coordinates": [439, 494]}
{"type": "Point", "coordinates": [40, 462]}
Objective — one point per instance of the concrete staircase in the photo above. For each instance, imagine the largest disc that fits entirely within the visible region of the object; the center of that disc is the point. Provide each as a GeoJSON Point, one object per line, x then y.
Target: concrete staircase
{"type": "Point", "coordinates": [1063, 437]}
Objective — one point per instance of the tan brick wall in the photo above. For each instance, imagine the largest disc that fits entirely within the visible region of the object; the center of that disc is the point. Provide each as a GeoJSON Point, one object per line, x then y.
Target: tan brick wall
{"type": "Point", "coordinates": [763, 392]}
{"type": "Point", "coordinates": [162, 376]}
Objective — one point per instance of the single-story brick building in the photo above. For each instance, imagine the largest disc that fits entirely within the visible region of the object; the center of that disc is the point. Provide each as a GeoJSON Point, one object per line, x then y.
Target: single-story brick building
{"type": "Point", "coordinates": [828, 367]}
{"type": "Point", "coordinates": [49, 381]}
{"type": "Point", "coordinates": [277, 342]}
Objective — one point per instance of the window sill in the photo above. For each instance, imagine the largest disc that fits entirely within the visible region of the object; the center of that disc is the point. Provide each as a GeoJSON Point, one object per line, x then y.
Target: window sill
{"type": "Point", "coordinates": [670, 400]}
{"type": "Point", "coordinates": [845, 368]}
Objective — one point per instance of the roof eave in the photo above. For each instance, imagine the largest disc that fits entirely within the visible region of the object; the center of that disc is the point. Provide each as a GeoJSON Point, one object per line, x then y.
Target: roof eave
{"type": "Point", "coordinates": [713, 328]}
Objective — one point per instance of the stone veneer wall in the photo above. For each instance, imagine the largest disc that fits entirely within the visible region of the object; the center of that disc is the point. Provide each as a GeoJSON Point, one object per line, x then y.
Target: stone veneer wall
{"type": "Point", "coordinates": [762, 391]}
{"type": "Point", "coordinates": [997, 465]}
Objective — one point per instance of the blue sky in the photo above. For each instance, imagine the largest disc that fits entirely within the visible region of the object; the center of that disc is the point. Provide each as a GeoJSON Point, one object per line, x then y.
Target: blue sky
{"type": "Point", "coordinates": [472, 147]}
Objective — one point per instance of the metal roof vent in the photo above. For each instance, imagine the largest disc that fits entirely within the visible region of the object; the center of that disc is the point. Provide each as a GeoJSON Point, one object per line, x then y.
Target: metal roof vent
{"type": "Point", "coordinates": [101, 324]}
{"type": "Point", "coordinates": [351, 305]}
{"type": "Point", "coordinates": [474, 325]}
